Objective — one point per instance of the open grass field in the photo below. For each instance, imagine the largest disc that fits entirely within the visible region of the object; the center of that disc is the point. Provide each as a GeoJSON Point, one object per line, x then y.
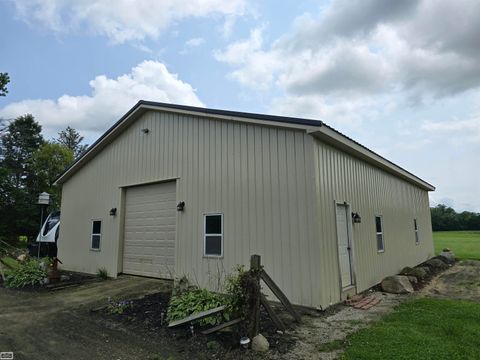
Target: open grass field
{"type": "Point", "coordinates": [465, 244]}
{"type": "Point", "coordinates": [421, 329]}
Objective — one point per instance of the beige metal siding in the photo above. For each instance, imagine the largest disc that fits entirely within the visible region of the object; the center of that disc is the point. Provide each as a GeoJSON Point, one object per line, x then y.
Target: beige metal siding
{"type": "Point", "coordinates": [276, 188]}
{"type": "Point", "coordinates": [150, 216]}
{"type": "Point", "coordinates": [261, 178]}
{"type": "Point", "coordinates": [369, 191]}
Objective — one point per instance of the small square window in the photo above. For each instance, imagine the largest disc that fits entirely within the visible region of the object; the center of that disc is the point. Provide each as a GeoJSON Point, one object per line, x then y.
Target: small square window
{"type": "Point", "coordinates": [96, 234]}
{"type": "Point", "coordinates": [213, 237]}
{"type": "Point", "coordinates": [379, 234]}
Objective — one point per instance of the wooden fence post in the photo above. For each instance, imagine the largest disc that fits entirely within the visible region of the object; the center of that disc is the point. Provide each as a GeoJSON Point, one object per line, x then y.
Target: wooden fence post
{"type": "Point", "coordinates": [254, 320]}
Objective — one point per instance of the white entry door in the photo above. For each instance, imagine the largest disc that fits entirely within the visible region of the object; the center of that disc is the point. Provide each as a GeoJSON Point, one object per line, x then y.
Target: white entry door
{"type": "Point", "coordinates": [150, 222]}
{"type": "Point", "coordinates": [344, 245]}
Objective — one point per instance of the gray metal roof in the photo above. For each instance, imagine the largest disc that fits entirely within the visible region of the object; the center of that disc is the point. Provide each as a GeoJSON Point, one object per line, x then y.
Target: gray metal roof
{"type": "Point", "coordinates": [309, 123]}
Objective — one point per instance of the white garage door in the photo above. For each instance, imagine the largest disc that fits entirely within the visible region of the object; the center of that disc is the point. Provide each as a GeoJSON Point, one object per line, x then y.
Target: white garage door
{"type": "Point", "coordinates": [150, 217]}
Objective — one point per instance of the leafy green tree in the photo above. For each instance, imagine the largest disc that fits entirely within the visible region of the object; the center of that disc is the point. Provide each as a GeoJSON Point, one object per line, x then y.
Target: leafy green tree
{"type": "Point", "coordinates": [445, 218]}
{"type": "Point", "coordinates": [72, 139]}
{"type": "Point", "coordinates": [4, 80]}
{"type": "Point", "coordinates": [22, 139]}
{"type": "Point", "coordinates": [47, 164]}
{"type": "Point", "coordinates": [18, 191]}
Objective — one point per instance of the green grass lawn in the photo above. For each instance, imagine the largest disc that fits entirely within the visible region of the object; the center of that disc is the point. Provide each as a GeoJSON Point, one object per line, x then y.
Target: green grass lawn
{"type": "Point", "coordinates": [421, 329]}
{"type": "Point", "coordinates": [465, 244]}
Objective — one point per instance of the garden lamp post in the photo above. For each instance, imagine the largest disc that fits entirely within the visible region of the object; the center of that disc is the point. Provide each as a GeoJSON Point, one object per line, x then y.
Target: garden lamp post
{"type": "Point", "coordinates": [43, 201]}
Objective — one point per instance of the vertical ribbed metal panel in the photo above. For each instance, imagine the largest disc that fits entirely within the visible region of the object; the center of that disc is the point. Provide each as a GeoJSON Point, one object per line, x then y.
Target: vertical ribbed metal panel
{"type": "Point", "coordinates": [277, 190]}
{"type": "Point", "coordinates": [261, 178]}
{"type": "Point", "coordinates": [370, 191]}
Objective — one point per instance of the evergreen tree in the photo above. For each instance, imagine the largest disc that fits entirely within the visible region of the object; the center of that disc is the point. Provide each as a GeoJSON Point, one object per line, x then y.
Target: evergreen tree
{"type": "Point", "coordinates": [4, 80]}
{"type": "Point", "coordinates": [18, 190]}
{"type": "Point", "coordinates": [72, 140]}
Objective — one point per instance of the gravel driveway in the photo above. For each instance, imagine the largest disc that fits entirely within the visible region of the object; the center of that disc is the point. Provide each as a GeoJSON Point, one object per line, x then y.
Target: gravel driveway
{"type": "Point", "coordinates": [58, 324]}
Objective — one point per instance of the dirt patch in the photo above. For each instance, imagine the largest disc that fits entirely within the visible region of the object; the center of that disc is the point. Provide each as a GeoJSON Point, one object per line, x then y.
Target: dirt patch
{"type": "Point", "coordinates": [323, 336]}
{"type": "Point", "coordinates": [60, 324]}
{"type": "Point", "coordinates": [461, 281]}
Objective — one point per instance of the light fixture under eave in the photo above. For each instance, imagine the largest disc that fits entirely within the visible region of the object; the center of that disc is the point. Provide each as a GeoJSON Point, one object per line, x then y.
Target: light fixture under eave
{"type": "Point", "coordinates": [181, 206]}
{"type": "Point", "coordinates": [113, 211]}
{"type": "Point", "coordinates": [145, 131]}
{"type": "Point", "coordinates": [356, 218]}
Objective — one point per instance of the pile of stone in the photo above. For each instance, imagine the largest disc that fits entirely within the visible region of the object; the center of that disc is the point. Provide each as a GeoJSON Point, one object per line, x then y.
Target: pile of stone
{"type": "Point", "coordinates": [402, 283]}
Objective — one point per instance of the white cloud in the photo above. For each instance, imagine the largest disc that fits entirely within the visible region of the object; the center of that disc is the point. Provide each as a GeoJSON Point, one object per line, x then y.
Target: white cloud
{"type": "Point", "coordinates": [456, 131]}
{"type": "Point", "coordinates": [110, 99]}
{"type": "Point", "coordinates": [384, 73]}
{"type": "Point", "coordinates": [190, 44]}
{"type": "Point", "coordinates": [121, 20]}
{"type": "Point", "coordinates": [369, 46]}
{"type": "Point", "coordinates": [256, 68]}
{"type": "Point", "coordinates": [194, 42]}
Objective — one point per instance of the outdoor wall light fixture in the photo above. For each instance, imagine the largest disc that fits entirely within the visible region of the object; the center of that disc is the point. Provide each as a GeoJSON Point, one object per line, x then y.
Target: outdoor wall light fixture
{"type": "Point", "coordinates": [113, 211]}
{"type": "Point", "coordinates": [181, 206]}
{"type": "Point", "coordinates": [356, 218]}
{"type": "Point", "coordinates": [145, 131]}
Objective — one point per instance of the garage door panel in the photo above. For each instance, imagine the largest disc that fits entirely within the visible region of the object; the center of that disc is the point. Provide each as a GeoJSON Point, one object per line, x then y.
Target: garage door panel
{"type": "Point", "coordinates": [150, 224]}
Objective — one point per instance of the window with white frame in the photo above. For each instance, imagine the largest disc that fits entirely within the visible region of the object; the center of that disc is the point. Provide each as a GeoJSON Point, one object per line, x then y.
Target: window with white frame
{"type": "Point", "coordinates": [415, 226]}
{"type": "Point", "coordinates": [379, 233]}
{"type": "Point", "coordinates": [213, 240]}
{"type": "Point", "coordinates": [96, 234]}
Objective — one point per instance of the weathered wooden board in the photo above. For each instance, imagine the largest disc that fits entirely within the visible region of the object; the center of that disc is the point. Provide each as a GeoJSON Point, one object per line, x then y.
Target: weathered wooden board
{"type": "Point", "coordinates": [197, 316]}
{"type": "Point", "coordinates": [221, 326]}
{"type": "Point", "coordinates": [276, 320]}
{"type": "Point", "coordinates": [280, 295]}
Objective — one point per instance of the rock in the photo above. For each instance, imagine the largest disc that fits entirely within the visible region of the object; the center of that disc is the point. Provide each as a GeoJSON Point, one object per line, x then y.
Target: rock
{"type": "Point", "coordinates": [418, 272]}
{"type": "Point", "coordinates": [436, 264]}
{"type": "Point", "coordinates": [425, 268]}
{"type": "Point", "coordinates": [260, 344]}
{"type": "Point", "coordinates": [448, 257]}
{"type": "Point", "coordinates": [412, 279]}
{"type": "Point", "coordinates": [22, 257]}
{"type": "Point", "coordinates": [397, 284]}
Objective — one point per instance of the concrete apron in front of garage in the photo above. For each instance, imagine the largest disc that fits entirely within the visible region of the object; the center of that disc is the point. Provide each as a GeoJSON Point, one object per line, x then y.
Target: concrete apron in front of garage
{"type": "Point", "coordinates": [59, 325]}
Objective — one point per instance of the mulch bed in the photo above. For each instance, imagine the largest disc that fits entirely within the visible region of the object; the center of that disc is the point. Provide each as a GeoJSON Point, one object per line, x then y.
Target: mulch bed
{"type": "Point", "coordinates": [149, 313]}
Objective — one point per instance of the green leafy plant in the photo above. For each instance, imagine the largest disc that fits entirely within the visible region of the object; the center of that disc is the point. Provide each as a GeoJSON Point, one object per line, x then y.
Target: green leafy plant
{"type": "Point", "coordinates": [102, 273]}
{"type": "Point", "coordinates": [241, 287]}
{"type": "Point", "coordinates": [118, 306]}
{"type": "Point", "coordinates": [31, 272]}
{"type": "Point", "coordinates": [187, 300]}
{"type": "Point", "coordinates": [10, 262]}
{"type": "Point", "coordinates": [193, 301]}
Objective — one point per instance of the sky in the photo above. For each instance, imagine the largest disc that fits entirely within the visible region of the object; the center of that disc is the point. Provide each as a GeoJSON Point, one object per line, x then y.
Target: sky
{"type": "Point", "coordinates": [400, 77]}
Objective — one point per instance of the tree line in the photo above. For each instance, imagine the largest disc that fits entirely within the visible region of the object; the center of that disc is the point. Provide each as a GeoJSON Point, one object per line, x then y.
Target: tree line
{"type": "Point", "coordinates": [445, 218]}
{"type": "Point", "coordinates": [29, 165]}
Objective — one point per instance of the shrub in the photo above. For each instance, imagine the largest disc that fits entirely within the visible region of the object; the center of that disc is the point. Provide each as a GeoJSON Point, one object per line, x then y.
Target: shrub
{"type": "Point", "coordinates": [187, 300]}
{"type": "Point", "coordinates": [102, 273]}
{"type": "Point", "coordinates": [241, 288]}
{"type": "Point", "coordinates": [193, 301]}
{"type": "Point", "coordinates": [31, 272]}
